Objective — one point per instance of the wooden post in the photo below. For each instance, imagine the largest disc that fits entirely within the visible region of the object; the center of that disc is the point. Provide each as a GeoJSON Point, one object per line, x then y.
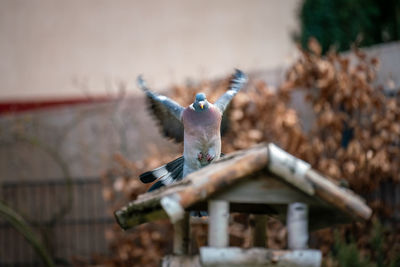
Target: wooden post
{"type": "Point", "coordinates": [181, 236]}
{"type": "Point", "coordinates": [218, 235]}
{"type": "Point", "coordinates": [259, 232]}
{"type": "Point", "coordinates": [297, 225]}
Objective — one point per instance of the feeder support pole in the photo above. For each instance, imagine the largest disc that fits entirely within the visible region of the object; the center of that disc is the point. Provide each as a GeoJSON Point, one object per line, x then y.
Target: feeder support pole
{"type": "Point", "coordinates": [218, 235]}
{"type": "Point", "coordinates": [181, 236]}
{"type": "Point", "coordinates": [297, 226]}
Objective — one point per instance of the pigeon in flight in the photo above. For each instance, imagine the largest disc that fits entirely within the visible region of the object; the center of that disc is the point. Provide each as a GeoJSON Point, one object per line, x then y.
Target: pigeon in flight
{"type": "Point", "coordinates": [198, 126]}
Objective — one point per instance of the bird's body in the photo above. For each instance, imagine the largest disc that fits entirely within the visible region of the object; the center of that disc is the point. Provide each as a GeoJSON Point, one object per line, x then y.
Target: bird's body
{"type": "Point", "coordinates": [198, 126]}
{"type": "Point", "coordinates": [201, 137]}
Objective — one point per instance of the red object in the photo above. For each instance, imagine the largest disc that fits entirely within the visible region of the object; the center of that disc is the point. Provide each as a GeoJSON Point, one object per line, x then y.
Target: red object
{"type": "Point", "coordinates": [22, 106]}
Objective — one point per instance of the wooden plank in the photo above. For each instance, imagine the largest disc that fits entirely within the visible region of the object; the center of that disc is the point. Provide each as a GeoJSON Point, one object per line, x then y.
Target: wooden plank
{"type": "Point", "coordinates": [265, 190]}
{"type": "Point", "coordinates": [128, 219]}
{"type": "Point", "coordinates": [181, 261]}
{"type": "Point", "coordinates": [341, 198]}
{"type": "Point", "coordinates": [234, 256]}
{"type": "Point", "coordinates": [289, 168]}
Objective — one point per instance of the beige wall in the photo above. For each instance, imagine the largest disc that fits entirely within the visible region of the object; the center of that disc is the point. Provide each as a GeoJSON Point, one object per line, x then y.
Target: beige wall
{"type": "Point", "coordinates": [47, 47]}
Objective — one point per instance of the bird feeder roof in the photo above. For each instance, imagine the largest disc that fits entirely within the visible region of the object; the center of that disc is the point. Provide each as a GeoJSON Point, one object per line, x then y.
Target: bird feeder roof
{"type": "Point", "coordinates": [262, 179]}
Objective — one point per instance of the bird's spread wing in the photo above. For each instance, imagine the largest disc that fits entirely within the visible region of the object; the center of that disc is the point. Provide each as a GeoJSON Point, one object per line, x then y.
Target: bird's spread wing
{"type": "Point", "coordinates": [167, 112]}
{"type": "Point", "coordinates": [237, 82]}
{"type": "Point", "coordinates": [225, 122]}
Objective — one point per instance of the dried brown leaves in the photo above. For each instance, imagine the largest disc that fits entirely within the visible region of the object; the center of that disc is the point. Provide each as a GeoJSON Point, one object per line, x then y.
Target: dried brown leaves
{"type": "Point", "coordinates": [355, 137]}
{"type": "Point", "coordinates": [356, 134]}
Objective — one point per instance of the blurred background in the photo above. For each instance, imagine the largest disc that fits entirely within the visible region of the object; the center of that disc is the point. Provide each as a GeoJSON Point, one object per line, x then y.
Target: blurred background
{"type": "Point", "coordinates": [75, 132]}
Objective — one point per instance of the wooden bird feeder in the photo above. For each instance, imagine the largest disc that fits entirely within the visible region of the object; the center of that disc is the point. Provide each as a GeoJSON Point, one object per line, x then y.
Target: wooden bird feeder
{"type": "Point", "coordinates": [263, 180]}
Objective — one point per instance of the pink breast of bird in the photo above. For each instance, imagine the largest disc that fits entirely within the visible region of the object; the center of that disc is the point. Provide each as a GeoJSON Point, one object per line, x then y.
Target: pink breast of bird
{"type": "Point", "coordinates": [201, 124]}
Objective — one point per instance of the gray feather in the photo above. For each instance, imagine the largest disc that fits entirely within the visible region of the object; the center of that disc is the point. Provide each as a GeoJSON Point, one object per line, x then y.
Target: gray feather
{"type": "Point", "coordinates": [237, 82]}
{"type": "Point", "coordinates": [167, 112]}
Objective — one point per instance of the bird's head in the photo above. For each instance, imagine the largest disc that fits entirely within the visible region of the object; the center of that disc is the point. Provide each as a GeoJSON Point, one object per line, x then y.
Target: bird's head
{"type": "Point", "coordinates": [200, 102]}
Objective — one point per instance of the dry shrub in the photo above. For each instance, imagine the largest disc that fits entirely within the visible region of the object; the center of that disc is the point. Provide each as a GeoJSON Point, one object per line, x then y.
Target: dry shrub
{"type": "Point", "coordinates": [356, 134]}
{"type": "Point", "coordinates": [355, 137]}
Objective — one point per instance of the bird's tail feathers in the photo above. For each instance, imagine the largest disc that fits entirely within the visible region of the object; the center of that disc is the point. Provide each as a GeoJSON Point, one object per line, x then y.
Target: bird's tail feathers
{"type": "Point", "coordinates": [167, 173]}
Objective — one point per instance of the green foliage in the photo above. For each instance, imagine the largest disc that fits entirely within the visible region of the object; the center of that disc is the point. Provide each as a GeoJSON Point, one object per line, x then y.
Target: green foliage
{"type": "Point", "coordinates": [347, 254]}
{"type": "Point", "coordinates": [377, 241]}
{"type": "Point", "coordinates": [343, 22]}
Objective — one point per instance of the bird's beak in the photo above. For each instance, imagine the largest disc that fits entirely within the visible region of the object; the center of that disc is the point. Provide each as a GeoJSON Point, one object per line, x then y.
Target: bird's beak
{"type": "Point", "coordinates": [201, 105]}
